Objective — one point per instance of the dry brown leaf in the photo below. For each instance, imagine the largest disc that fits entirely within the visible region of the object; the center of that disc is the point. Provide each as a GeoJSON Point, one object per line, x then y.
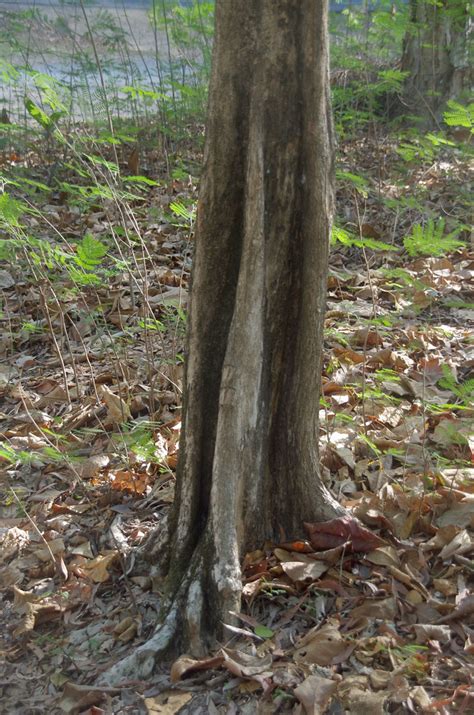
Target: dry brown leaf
{"type": "Point", "coordinates": [185, 665]}
{"type": "Point", "coordinates": [315, 693]}
{"type": "Point", "coordinates": [301, 571]}
{"type": "Point", "coordinates": [168, 702]}
{"type": "Point", "coordinates": [428, 632]}
{"type": "Point", "coordinates": [384, 610]}
{"type": "Point", "coordinates": [461, 544]}
{"type": "Point", "coordinates": [322, 646]}
{"type": "Point", "coordinates": [329, 534]}
{"type": "Point", "coordinates": [246, 665]}
{"type": "Point", "coordinates": [34, 609]}
{"type": "Point", "coordinates": [117, 409]}
{"type": "Point", "coordinates": [98, 568]}
{"type": "Point", "coordinates": [75, 698]}
{"type": "Point", "coordinates": [384, 556]}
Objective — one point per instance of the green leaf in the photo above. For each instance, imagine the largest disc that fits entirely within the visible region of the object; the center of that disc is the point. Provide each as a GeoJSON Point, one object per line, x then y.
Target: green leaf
{"type": "Point", "coordinates": [38, 114]}
{"type": "Point", "coordinates": [11, 210]}
{"type": "Point", "coordinates": [349, 239]}
{"type": "Point", "coordinates": [360, 184]}
{"type": "Point", "coordinates": [263, 632]}
{"type": "Point", "coordinates": [430, 239]}
{"type": "Point", "coordinates": [458, 115]}
{"type": "Point", "coordinates": [142, 180]}
{"type": "Point", "coordinates": [182, 211]}
{"type": "Point", "coordinates": [90, 252]}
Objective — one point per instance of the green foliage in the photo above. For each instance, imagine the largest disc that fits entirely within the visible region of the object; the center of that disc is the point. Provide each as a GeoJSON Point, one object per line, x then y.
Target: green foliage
{"type": "Point", "coordinates": [11, 211]}
{"type": "Point", "coordinates": [423, 147]}
{"type": "Point", "coordinates": [458, 115]}
{"type": "Point", "coordinates": [90, 253]}
{"type": "Point", "coordinates": [359, 183]}
{"type": "Point", "coordinates": [38, 114]}
{"type": "Point", "coordinates": [464, 391]}
{"type": "Point", "coordinates": [346, 238]}
{"type": "Point", "coordinates": [430, 239]}
{"type": "Point", "coordinates": [188, 213]}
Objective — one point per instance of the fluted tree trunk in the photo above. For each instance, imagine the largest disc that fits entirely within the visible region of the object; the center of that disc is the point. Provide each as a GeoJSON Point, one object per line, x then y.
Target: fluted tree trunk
{"type": "Point", "coordinates": [436, 54]}
{"type": "Point", "coordinates": [248, 467]}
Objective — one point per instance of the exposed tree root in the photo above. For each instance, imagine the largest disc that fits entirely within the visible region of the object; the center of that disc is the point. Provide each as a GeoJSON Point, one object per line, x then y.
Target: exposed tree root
{"type": "Point", "coordinates": [140, 664]}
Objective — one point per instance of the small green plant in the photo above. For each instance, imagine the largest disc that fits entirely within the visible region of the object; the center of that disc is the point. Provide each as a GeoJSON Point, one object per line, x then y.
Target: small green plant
{"type": "Point", "coordinates": [431, 239]}
{"type": "Point", "coordinates": [464, 391]}
{"type": "Point", "coordinates": [458, 115]}
{"type": "Point", "coordinates": [347, 238]}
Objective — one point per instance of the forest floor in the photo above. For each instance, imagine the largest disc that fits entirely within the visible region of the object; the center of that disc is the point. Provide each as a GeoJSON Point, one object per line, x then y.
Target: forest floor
{"type": "Point", "coordinates": [90, 395]}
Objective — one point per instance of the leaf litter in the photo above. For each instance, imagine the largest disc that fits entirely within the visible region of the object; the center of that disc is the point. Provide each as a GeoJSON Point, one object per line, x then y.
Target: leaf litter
{"type": "Point", "coordinates": [370, 618]}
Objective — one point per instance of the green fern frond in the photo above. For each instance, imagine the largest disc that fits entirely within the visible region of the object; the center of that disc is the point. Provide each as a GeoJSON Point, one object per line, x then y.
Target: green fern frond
{"type": "Point", "coordinates": [341, 235]}
{"type": "Point", "coordinates": [359, 182]}
{"type": "Point", "coordinates": [430, 240]}
{"type": "Point", "coordinates": [183, 211]}
{"type": "Point", "coordinates": [457, 115]}
{"type": "Point", "coordinates": [10, 211]}
{"type": "Point", "coordinates": [90, 253]}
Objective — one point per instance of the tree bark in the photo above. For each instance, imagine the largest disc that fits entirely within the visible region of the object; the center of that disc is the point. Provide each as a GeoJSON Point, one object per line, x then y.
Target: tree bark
{"type": "Point", "coordinates": [435, 54]}
{"type": "Point", "coordinates": [248, 467]}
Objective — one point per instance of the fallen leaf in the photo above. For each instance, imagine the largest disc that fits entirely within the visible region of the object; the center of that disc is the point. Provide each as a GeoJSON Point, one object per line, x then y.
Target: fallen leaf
{"type": "Point", "coordinates": [6, 280]}
{"type": "Point", "coordinates": [315, 693]}
{"type": "Point", "coordinates": [384, 609]}
{"type": "Point", "coordinates": [321, 646]}
{"type": "Point", "coordinates": [98, 568]}
{"type": "Point", "coordinates": [336, 532]}
{"type": "Point", "coordinates": [426, 632]}
{"type": "Point", "coordinates": [245, 665]}
{"type": "Point", "coordinates": [301, 571]}
{"type": "Point", "coordinates": [185, 665]}
{"type": "Point", "coordinates": [167, 703]}
{"type": "Point", "coordinates": [75, 698]}
{"type": "Point", "coordinates": [384, 556]}
{"type": "Point", "coordinates": [461, 544]}
{"type": "Point", "coordinates": [117, 409]}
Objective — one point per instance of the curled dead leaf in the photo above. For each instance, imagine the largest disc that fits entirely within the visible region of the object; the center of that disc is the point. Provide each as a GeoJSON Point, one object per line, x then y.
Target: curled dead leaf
{"type": "Point", "coordinates": [315, 693]}
{"type": "Point", "coordinates": [168, 702]}
{"type": "Point", "coordinates": [98, 568]}
{"type": "Point", "coordinates": [117, 409]}
{"type": "Point", "coordinates": [34, 609]}
{"type": "Point", "coordinates": [322, 646]}
{"type": "Point", "coordinates": [244, 664]}
{"type": "Point", "coordinates": [185, 665]}
{"type": "Point", "coordinates": [336, 532]}
{"type": "Point", "coordinates": [301, 571]}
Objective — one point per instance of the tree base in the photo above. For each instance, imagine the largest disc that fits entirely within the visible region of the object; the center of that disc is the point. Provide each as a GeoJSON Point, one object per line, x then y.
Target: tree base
{"type": "Point", "coordinates": [140, 664]}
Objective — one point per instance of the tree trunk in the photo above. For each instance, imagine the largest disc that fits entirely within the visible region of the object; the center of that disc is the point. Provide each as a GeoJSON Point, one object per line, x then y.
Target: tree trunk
{"type": "Point", "coordinates": [248, 467]}
{"type": "Point", "coordinates": [435, 54]}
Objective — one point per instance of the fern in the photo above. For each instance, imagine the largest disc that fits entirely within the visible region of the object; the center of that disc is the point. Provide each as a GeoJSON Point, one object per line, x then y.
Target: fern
{"type": "Point", "coordinates": [457, 115]}
{"type": "Point", "coordinates": [359, 182]}
{"type": "Point", "coordinates": [464, 391]}
{"type": "Point", "coordinates": [38, 114]}
{"type": "Point", "coordinates": [340, 235]}
{"type": "Point", "coordinates": [10, 211]}
{"type": "Point", "coordinates": [429, 240]}
{"type": "Point", "coordinates": [90, 253]}
{"type": "Point", "coordinates": [179, 209]}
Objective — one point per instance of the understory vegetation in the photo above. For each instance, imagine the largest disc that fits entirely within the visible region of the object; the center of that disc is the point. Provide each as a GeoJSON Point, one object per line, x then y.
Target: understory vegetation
{"type": "Point", "coordinates": [102, 117]}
